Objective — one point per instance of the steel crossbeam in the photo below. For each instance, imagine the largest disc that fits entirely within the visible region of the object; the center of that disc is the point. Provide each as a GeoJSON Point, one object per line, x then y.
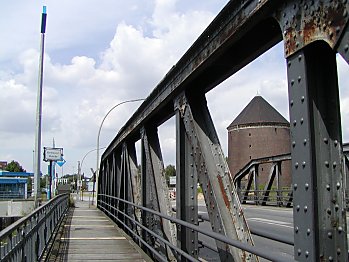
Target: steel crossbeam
{"type": "Point", "coordinates": [312, 31]}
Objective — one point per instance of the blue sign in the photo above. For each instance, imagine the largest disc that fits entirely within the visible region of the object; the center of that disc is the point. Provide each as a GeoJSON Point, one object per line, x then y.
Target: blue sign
{"type": "Point", "coordinates": [61, 163]}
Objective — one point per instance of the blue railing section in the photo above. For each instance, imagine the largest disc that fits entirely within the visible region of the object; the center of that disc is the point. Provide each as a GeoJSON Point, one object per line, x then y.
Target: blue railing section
{"type": "Point", "coordinates": [28, 239]}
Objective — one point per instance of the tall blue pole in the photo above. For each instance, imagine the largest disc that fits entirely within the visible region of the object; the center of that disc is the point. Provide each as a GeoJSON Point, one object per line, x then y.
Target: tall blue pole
{"type": "Point", "coordinates": [37, 191]}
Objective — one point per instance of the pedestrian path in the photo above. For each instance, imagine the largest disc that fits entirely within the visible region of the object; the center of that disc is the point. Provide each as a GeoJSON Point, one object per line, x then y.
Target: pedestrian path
{"type": "Point", "coordinates": [89, 235]}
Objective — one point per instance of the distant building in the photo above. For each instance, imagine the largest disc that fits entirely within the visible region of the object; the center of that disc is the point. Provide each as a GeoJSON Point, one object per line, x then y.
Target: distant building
{"type": "Point", "coordinates": [14, 185]}
{"type": "Point", "coordinates": [259, 131]}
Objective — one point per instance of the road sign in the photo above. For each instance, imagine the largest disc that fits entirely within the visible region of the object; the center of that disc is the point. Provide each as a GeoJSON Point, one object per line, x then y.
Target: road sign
{"type": "Point", "coordinates": [61, 163]}
{"type": "Point", "coordinates": [53, 154]}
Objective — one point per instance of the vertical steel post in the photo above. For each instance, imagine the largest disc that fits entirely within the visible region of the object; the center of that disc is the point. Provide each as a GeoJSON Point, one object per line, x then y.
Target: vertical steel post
{"type": "Point", "coordinates": [135, 179]}
{"type": "Point", "coordinates": [37, 171]}
{"type": "Point", "coordinates": [319, 210]}
{"type": "Point", "coordinates": [186, 190]}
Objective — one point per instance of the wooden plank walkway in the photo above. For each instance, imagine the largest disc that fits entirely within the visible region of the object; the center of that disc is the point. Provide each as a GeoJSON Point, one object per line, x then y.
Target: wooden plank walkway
{"type": "Point", "coordinates": [89, 235]}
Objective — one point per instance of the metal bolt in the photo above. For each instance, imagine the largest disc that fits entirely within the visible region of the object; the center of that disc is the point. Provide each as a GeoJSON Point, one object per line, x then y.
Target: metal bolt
{"type": "Point", "coordinates": [329, 234]}
{"type": "Point", "coordinates": [304, 141]}
{"type": "Point", "coordinates": [302, 99]}
{"type": "Point", "coordinates": [295, 186]}
{"type": "Point", "coordinates": [308, 231]}
{"type": "Point", "coordinates": [303, 164]}
{"type": "Point", "coordinates": [302, 120]}
{"type": "Point", "coordinates": [335, 142]}
{"type": "Point", "coordinates": [306, 186]}
{"type": "Point", "coordinates": [328, 187]}
{"type": "Point", "coordinates": [334, 164]}
{"type": "Point", "coordinates": [296, 165]}
{"type": "Point", "coordinates": [291, 103]}
{"type": "Point", "coordinates": [338, 185]}
{"type": "Point", "coordinates": [299, 251]}
{"type": "Point", "coordinates": [292, 81]}
{"type": "Point", "coordinates": [326, 140]}
{"type": "Point", "coordinates": [327, 164]}
{"type": "Point", "coordinates": [299, 57]}
{"type": "Point", "coordinates": [336, 207]}
{"type": "Point", "coordinates": [306, 253]}
{"type": "Point", "coordinates": [293, 143]}
{"type": "Point", "coordinates": [328, 211]}
{"type": "Point", "coordinates": [294, 122]}
{"type": "Point", "coordinates": [340, 230]}
{"type": "Point", "coordinates": [296, 229]}
{"type": "Point", "coordinates": [299, 79]}
{"type": "Point", "coordinates": [338, 251]}
{"type": "Point", "coordinates": [298, 208]}
{"type": "Point", "coordinates": [305, 209]}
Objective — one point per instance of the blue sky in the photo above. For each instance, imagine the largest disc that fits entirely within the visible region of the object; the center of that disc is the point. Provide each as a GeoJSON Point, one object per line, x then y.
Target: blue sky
{"type": "Point", "coordinates": [99, 53]}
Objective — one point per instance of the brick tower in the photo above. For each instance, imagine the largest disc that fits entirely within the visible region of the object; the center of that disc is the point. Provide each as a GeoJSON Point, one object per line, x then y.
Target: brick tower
{"type": "Point", "coordinates": [259, 131]}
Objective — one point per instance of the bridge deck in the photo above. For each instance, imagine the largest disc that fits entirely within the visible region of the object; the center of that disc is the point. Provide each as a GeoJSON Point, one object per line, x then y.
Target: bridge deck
{"type": "Point", "coordinates": [89, 235]}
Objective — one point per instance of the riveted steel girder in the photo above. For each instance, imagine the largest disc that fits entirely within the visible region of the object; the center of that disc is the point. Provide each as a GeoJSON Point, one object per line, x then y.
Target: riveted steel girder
{"type": "Point", "coordinates": [318, 182]}
{"type": "Point", "coordinates": [155, 190]}
{"type": "Point", "coordinates": [186, 190]}
{"type": "Point", "coordinates": [304, 22]}
{"type": "Point", "coordinates": [223, 205]}
{"type": "Point", "coordinates": [240, 33]}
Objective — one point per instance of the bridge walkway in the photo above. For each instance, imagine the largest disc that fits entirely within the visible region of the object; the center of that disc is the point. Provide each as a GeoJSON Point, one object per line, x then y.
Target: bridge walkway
{"type": "Point", "coordinates": [88, 235]}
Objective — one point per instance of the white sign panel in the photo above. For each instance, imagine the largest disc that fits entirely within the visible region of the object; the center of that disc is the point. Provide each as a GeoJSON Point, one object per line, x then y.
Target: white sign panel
{"type": "Point", "coordinates": [53, 154]}
{"type": "Point", "coordinates": [172, 180]}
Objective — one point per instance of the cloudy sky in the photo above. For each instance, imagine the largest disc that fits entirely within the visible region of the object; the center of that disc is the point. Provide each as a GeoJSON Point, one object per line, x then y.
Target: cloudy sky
{"type": "Point", "coordinates": [100, 53]}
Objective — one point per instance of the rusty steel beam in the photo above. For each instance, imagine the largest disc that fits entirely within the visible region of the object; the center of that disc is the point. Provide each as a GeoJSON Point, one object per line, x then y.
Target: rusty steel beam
{"type": "Point", "coordinates": [222, 202]}
{"type": "Point", "coordinates": [312, 31]}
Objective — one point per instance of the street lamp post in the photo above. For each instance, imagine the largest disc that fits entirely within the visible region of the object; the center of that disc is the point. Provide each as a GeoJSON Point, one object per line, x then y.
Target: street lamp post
{"type": "Point", "coordinates": [82, 162]}
{"type": "Point", "coordinates": [99, 133]}
{"type": "Point", "coordinates": [37, 191]}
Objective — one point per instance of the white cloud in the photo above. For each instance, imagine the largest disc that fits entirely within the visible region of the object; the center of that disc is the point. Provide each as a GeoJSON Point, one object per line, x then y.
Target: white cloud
{"type": "Point", "coordinates": [101, 53]}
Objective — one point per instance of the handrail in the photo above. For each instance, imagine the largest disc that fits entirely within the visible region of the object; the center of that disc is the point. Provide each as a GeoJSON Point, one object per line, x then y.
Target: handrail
{"type": "Point", "coordinates": [274, 256]}
{"type": "Point", "coordinates": [28, 238]}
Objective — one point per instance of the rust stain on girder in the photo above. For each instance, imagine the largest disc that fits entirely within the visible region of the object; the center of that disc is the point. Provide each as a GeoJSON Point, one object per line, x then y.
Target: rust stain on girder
{"type": "Point", "coordinates": [224, 194]}
{"type": "Point", "coordinates": [307, 23]}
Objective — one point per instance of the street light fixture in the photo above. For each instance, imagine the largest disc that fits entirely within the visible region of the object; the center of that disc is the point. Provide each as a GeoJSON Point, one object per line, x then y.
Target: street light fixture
{"type": "Point", "coordinates": [99, 133]}
{"type": "Point", "coordinates": [81, 164]}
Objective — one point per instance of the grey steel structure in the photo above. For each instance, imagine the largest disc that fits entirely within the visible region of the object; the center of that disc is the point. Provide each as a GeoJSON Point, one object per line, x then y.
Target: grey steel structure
{"type": "Point", "coordinates": [312, 31]}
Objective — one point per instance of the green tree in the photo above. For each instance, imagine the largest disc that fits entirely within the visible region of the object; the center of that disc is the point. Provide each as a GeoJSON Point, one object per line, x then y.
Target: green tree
{"type": "Point", "coordinates": [170, 170]}
{"type": "Point", "coordinates": [14, 166]}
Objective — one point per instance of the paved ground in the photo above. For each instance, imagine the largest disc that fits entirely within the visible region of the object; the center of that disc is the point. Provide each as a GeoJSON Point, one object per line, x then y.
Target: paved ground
{"type": "Point", "coordinates": [89, 235]}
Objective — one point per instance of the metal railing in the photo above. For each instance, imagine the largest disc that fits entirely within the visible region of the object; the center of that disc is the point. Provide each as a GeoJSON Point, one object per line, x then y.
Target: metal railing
{"type": "Point", "coordinates": [29, 238]}
{"type": "Point", "coordinates": [137, 231]}
{"type": "Point", "coordinates": [271, 197]}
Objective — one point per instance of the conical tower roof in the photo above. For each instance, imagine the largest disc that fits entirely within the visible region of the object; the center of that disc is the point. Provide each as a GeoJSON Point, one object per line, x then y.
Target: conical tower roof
{"type": "Point", "coordinates": [258, 112]}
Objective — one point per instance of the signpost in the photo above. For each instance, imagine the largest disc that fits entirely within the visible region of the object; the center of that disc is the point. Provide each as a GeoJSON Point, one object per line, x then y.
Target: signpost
{"type": "Point", "coordinates": [51, 155]}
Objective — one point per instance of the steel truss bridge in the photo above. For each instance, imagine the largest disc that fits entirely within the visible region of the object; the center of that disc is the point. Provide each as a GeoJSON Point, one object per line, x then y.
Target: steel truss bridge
{"type": "Point", "coordinates": [313, 32]}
